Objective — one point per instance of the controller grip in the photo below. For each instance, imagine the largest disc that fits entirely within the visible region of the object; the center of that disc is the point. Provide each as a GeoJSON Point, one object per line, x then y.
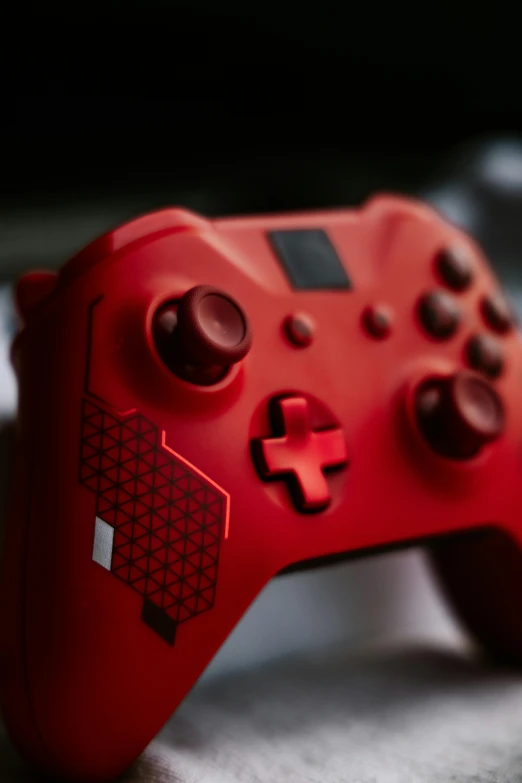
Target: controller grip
{"type": "Point", "coordinates": [481, 575]}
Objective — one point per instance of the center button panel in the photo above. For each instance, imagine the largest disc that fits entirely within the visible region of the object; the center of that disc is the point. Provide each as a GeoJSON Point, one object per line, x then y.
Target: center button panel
{"type": "Point", "coordinates": [299, 454]}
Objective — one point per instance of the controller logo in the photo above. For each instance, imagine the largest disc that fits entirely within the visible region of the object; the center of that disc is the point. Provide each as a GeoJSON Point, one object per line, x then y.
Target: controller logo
{"type": "Point", "coordinates": [159, 520]}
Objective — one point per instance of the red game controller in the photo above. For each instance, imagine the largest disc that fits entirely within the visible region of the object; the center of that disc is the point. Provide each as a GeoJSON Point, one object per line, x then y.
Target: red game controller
{"type": "Point", "coordinates": [204, 404]}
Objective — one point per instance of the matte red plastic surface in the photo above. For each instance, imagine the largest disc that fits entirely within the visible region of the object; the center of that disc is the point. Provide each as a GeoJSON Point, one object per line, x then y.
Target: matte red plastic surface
{"type": "Point", "coordinates": [100, 645]}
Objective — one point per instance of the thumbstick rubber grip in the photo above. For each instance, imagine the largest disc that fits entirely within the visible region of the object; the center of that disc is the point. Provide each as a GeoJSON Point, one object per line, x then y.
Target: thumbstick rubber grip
{"type": "Point", "coordinates": [212, 328]}
{"type": "Point", "coordinates": [458, 415]}
{"type": "Point", "coordinates": [202, 334]}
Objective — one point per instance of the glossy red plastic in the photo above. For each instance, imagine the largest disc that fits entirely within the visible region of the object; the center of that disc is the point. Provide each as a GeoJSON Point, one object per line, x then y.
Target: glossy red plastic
{"type": "Point", "coordinates": [98, 649]}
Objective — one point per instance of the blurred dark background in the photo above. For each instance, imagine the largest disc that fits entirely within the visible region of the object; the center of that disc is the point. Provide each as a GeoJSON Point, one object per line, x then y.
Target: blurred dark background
{"type": "Point", "coordinates": [234, 108]}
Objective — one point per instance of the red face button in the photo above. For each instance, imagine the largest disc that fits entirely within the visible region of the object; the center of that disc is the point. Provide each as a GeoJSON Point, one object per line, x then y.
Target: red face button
{"type": "Point", "coordinates": [454, 268]}
{"type": "Point", "coordinates": [439, 315]}
{"type": "Point", "coordinates": [484, 354]}
{"type": "Point", "coordinates": [299, 454]}
{"type": "Point", "coordinates": [497, 313]}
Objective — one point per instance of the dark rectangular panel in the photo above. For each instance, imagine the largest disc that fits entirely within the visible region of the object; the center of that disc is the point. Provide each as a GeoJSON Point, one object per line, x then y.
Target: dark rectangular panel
{"type": "Point", "coordinates": [309, 259]}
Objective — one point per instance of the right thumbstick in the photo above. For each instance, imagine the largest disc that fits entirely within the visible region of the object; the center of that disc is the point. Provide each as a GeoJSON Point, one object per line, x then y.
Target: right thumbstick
{"type": "Point", "coordinates": [459, 414]}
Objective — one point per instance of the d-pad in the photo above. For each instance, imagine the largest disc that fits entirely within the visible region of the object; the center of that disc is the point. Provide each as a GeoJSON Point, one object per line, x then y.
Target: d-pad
{"type": "Point", "coordinates": [300, 454]}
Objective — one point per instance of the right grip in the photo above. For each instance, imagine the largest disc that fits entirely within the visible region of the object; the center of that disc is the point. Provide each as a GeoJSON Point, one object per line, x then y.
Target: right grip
{"type": "Point", "coordinates": [481, 574]}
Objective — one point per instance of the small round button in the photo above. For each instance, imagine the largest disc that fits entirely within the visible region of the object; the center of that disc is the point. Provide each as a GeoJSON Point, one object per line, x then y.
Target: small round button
{"type": "Point", "coordinates": [454, 267]}
{"type": "Point", "coordinates": [439, 314]}
{"type": "Point", "coordinates": [300, 329]}
{"type": "Point", "coordinates": [202, 334]}
{"type": "Point", "coordinates": [497, 313]}
{"type": "Point", "coordinates": [484, 354]}
{"type": "Point", "coordinates": [377, 320]}
{"type": "Point", "coordinates": [458, 415]}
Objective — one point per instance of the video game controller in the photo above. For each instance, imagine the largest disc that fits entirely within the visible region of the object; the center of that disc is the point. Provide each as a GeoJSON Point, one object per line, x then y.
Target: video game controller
{"type": "Point", "coordinates": [204, 404]}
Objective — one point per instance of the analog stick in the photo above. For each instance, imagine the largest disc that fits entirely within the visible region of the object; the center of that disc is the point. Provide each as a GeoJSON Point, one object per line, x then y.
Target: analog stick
{"type": "Point", "coordinates": [202, 334]}
{"type": "Point", "coordinates": [458, 415]}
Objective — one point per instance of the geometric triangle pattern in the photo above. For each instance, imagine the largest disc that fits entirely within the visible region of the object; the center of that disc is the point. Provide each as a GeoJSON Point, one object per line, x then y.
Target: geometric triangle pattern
{"type": "Point", "coordinates": [167, 519]}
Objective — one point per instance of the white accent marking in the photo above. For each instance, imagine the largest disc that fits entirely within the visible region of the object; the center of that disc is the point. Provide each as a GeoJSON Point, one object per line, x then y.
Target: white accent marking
{"type": "Point", "coordinates": [103, 541]}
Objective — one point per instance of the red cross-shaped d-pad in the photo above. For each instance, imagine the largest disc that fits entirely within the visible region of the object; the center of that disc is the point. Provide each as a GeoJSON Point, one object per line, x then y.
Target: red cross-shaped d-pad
{"type": "Point", "coordinates": [300, 454]}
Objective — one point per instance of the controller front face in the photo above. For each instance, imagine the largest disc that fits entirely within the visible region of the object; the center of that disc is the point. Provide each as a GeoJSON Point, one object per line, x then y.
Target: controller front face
{"type": "Point", "coordinates": [204, 404]}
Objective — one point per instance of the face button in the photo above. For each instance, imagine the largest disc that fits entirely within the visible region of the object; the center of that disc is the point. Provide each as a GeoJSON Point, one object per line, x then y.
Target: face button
{"type": "Point", "coordinates": [300, 329]}
{"type": "Point", "coordinates": [202, 335]}
{"type": "Point", "coordinates": [439, 315]}
{"type": "Point", "coordinates": [454, 267]}
{"type": "Point", "coordinates": [484, 354]}
{"type": "Point", "coordinates": [298, 454]}
{"type": "Point", "coordinates": [497, 313]}
{"type": "Point", "coordinates": [377, 320]}
{"type": "Point", "coordinates": [458, 415]}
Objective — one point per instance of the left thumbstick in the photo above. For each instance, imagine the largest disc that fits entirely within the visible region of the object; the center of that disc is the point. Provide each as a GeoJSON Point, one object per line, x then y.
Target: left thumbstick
{"type": "Point", "coordinates": [202, 334]}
